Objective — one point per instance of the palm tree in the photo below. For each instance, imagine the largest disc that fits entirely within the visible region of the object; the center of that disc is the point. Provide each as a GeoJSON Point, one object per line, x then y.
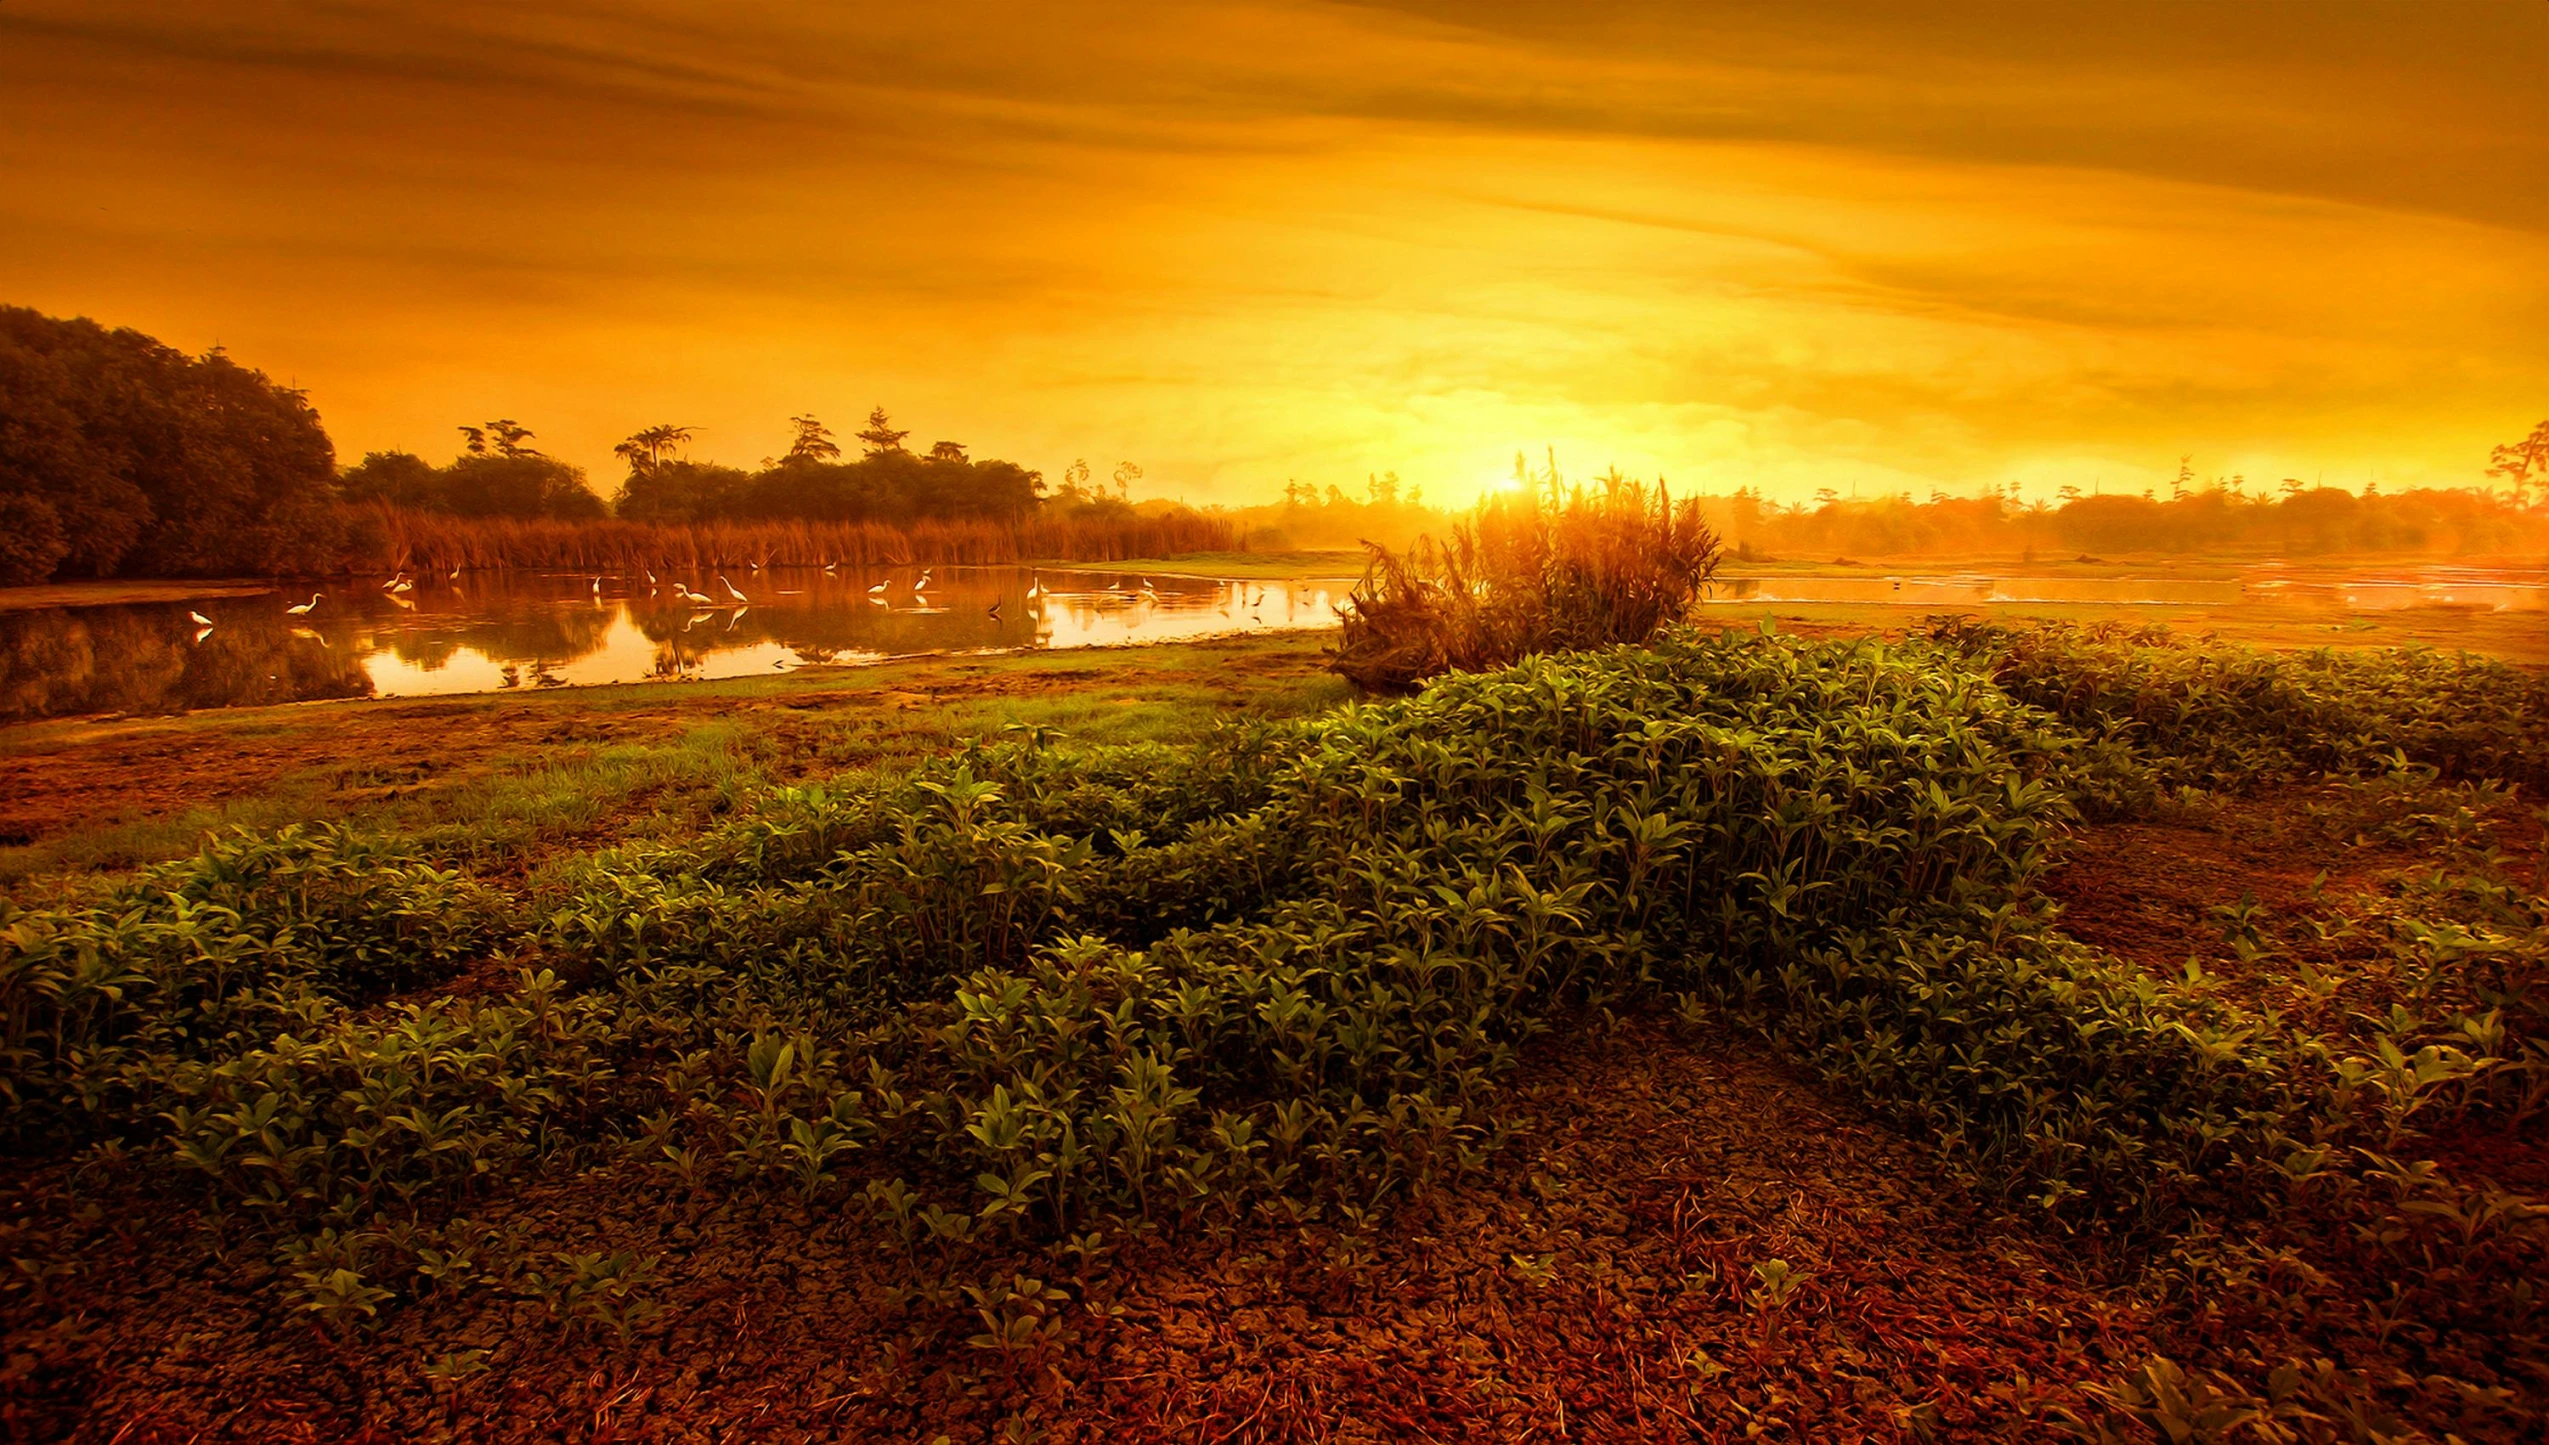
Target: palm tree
{"type": "Point", "coordinates": [654, 446]}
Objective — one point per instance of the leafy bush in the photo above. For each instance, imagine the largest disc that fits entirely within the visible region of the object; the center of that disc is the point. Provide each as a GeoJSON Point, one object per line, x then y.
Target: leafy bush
{"type": "Point", "coordinates": [1035, 992]}
{"type": "Point", "coordinates": [198, 958]}
{"type": "Point", "coordinates": [2218, 716]}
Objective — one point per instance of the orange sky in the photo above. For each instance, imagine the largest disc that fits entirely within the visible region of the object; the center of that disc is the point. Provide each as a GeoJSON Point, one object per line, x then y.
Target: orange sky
{"type": "Point", "coordinates": [1239, 243]}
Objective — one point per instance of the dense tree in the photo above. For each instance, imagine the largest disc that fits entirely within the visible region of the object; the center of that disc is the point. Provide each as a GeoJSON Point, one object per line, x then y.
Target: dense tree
{"type": "Point", "coordinates": [880, 435]}
{"type": "Point", "coordinates": [652, 447]}
{"type": "Point", "coordinates": [2520, 462]}
{"type": "Point", "coordinates": [889, 485]}
{"type": "Point", "coordinates": [682, 491]}
{"type": "Point", "coordinates": [395, 479]}
{"type": "Point", "coordinates": [813, 441]}
{"type": "Point", "coordinates": [121, 454]}
{"type": "Point", "coordinates": [497, 474]}
{"type": "Point", "coordinates": [523, 484]}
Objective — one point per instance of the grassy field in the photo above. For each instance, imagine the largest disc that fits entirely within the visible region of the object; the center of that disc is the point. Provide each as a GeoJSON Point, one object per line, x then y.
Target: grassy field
{"type": "Point", "coordinates": [1991, 1034]}
{"type": "Point", "coordinates": [505, 779]}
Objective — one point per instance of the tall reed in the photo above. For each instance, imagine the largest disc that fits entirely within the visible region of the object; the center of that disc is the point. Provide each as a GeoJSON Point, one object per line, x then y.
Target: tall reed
{"type": "Point", "coordinates": [429, 541]}
{"type": "Point", "coordinates": [1549, 567]}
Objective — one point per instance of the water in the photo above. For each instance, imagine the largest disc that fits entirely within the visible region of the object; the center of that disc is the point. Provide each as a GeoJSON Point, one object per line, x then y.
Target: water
{"type": "Point", "coordinates": [488, 632]}
{"type": "Point", "coordinates": [2329, 590]}
{"type": "Point", "coordinates": [521, 630]}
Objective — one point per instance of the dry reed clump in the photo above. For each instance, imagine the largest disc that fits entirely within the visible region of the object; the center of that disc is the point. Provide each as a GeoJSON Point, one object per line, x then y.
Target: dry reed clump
{"type": "Point", "coordinates": [1552, 567]}
{"type": "Point", "coordinates": [432, 541]}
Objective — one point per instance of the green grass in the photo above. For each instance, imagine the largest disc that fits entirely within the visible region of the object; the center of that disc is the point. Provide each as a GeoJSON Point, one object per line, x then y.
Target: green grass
{"type": "Point", "coordinates": [525, 776]}
{"type": "Point", "coordinates": [2521, 638]}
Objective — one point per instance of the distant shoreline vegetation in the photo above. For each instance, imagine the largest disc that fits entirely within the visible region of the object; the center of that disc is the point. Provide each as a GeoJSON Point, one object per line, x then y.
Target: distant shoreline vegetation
{"type": "Point", "coordinates": [2218, 515]}
{"type": "Point", "coordinates": [123, 457]}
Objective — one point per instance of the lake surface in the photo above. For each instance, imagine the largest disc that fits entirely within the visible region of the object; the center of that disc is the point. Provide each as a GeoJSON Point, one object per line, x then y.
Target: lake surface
{"type": "Point", "coordinates": [488, 632]}
{"type": "Point", "coordinates": [2348, 590]}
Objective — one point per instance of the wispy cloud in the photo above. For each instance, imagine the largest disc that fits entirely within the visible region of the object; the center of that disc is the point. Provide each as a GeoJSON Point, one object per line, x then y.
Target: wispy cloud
{"type": "Point", "coordinates": [1242, 241]}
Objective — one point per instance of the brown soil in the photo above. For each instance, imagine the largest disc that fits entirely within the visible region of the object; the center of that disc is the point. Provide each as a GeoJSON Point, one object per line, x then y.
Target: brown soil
{"type": "Point", "coordinates": [95, 594]}
{"type": "Point", "coordinates": [1659, 1174]}
{"type": "Point", "coordinates": [2145, 891]}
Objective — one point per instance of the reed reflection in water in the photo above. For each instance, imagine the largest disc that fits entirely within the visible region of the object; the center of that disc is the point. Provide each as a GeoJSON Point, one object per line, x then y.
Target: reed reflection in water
{"type": "Point", "coordinates": [490, 632]}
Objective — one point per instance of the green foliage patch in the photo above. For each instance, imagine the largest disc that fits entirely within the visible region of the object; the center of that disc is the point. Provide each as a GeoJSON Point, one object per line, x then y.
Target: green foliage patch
{"type": "Point", "coordinates": [1040, 994]}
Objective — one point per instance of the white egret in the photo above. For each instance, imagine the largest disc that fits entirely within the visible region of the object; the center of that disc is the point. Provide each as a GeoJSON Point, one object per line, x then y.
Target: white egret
{"type": "Point", "coordinates": [403, 588]}
{"type": "Point", "coordinates": [597, 589]}
{"type": "Point", "coordinates": [200, 619]}
{"type": "Point", "coordinates": [304, 609]}
{"type": "Point", "coordinates": [731, 589]}
{"type": "Point", "coordinates": [878, 591]}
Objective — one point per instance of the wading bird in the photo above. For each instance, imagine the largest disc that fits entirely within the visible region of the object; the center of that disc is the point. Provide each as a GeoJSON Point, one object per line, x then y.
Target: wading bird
{"type": "Point", "coordinates": [200, 619]}
{"type": "Point", "coordinates": [597, 589]}
{"type": "Point", "coordinates": [699, 599]}
{"type": "Point", "coordinates": [731, 589]}
{"type": "Point", "coordinates": [304, 609]}
{"type": "Point", "coordinates": [402, 587]}
{"type": "Point", "coordinates": [878, 591]}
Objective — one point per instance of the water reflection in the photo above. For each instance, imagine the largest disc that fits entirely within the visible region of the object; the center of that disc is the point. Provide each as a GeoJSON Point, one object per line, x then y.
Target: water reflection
{"type": "Point", "coordinates": [497, 631]}
{"type": "Point", "coordinates": [2351, 591]}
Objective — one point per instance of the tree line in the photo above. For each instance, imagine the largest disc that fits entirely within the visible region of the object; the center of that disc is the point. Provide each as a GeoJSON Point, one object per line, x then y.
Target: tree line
{"type": "Point", "coordinates": [2213, 514]}
{"type": "Point", "coordinates": [2223, 514]}
{"type": "Point", "coordinates": [498, 473]}
{"type": "Point", "coordinates": [121, 456]}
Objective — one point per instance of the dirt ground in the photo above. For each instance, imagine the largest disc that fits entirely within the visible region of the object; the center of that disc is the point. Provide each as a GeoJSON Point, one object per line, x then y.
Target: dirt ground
{"type": "Point", "coordinates": [1598, 1286]}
